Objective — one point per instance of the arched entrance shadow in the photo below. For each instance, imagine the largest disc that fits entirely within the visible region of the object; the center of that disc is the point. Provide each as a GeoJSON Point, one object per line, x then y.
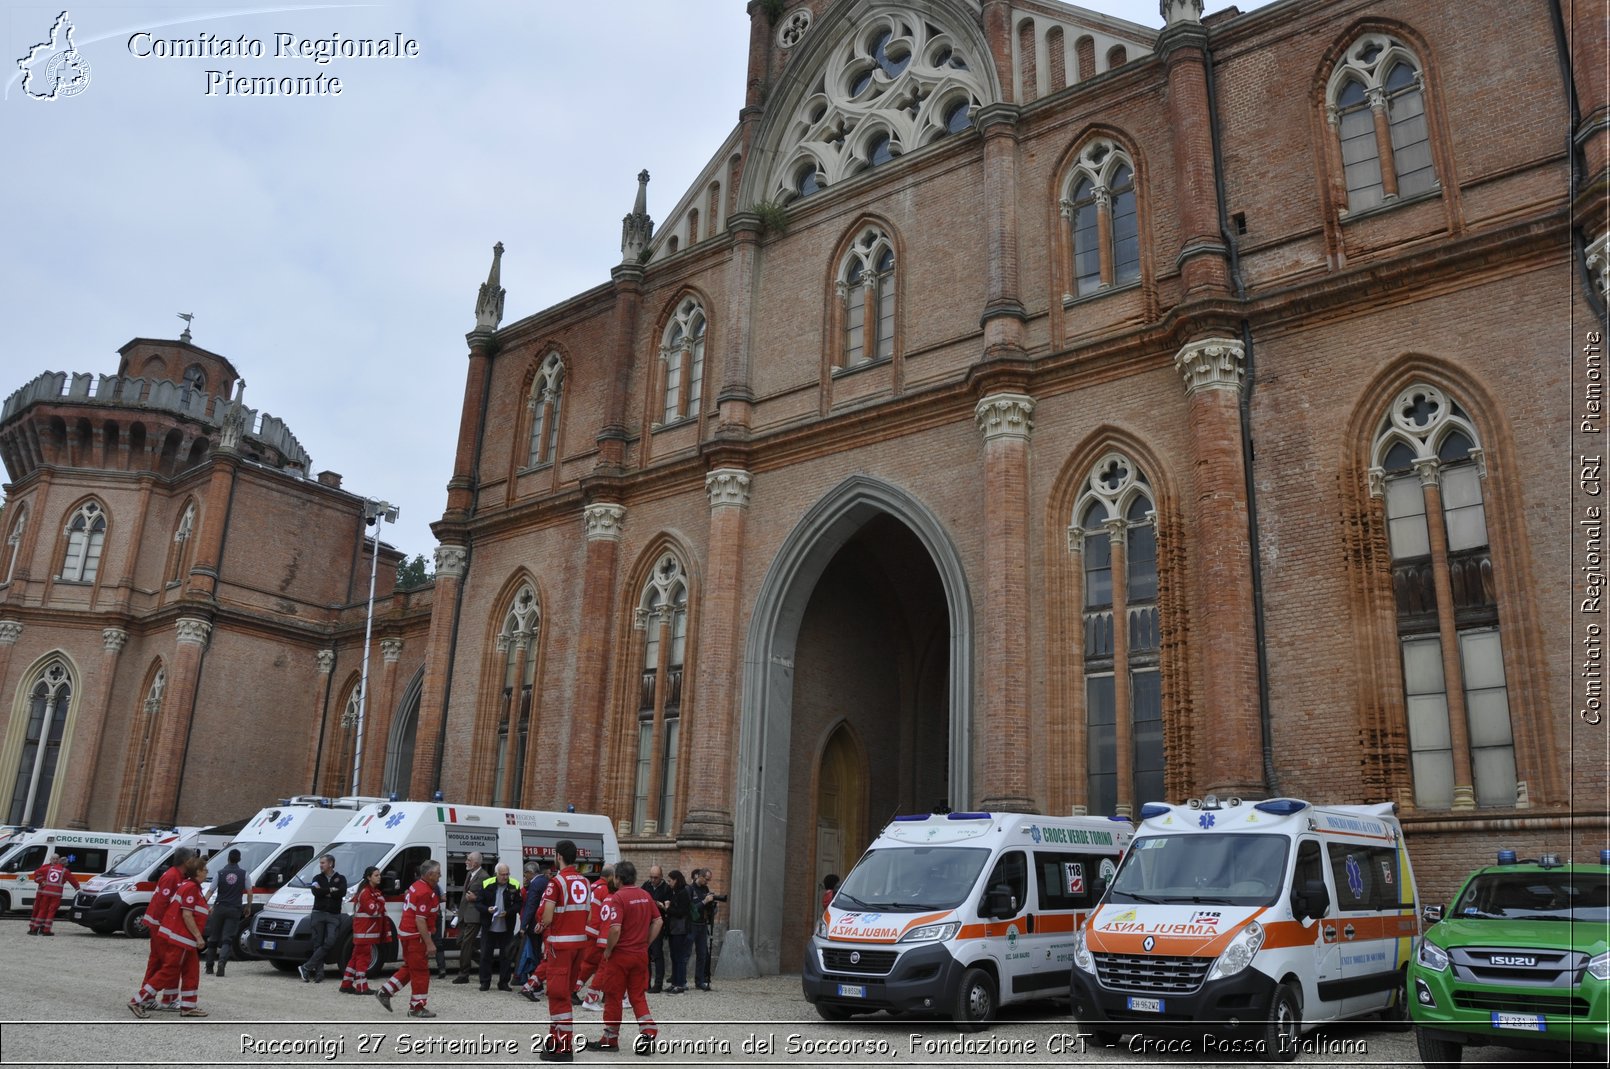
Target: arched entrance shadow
{"type": "Point", "coordinates": [764, 737]}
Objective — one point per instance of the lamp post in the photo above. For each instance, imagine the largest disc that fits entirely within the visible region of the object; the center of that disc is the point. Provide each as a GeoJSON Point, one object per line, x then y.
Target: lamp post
{"type": "Point", "coordinates": [373, 512]}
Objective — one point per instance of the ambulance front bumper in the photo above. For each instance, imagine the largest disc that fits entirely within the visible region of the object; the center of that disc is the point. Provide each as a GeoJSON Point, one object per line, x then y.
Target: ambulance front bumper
{"type": "Point", "coordinates": [1238, 1003]}
{"type": "Point", "coordinates": [102, 912]}
{"type": "Point", "coordinates": [923, 978]}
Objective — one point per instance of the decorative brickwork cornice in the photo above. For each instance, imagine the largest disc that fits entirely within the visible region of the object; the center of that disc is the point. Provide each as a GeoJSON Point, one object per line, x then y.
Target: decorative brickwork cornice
{"type": "Point", "coordinates": [998, 118]}
{"type": "Point", "coordinates": [10, 631]}
{"type": "Point", "coordinates": [113, 638]}
{"type": "Point", "coordinates": [326, 660]}
{"type": "Point", "coordinates": [1211, 364]}
{"type": "Point", "coordinates": [391, 649]}
{"type": "Point", "coordinates": [192, 631]}
{"type": "Point", "coordinates": [728, 488]}
{"type": "Point", "coordinates": [604, 521]}
{"type": "Point", "coordinates": [452, 561]}
{"type": "Point", "coordinates": [1005, 415]}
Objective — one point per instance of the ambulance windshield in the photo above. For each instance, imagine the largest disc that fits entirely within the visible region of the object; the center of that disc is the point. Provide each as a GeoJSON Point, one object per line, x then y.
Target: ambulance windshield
{"type": "Point", "coordinates": [1226, 870]}
{"type": "Point", "coordinates": [141, 860]}
{"type": "Point", "coordinates": [350, 861]}
{"type": "Point", "coordinates": [914, 879]}
{"type": "Point", "coordinates": [252, 855]}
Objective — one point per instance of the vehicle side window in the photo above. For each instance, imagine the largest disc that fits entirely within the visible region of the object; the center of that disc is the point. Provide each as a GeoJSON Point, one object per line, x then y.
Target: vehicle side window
{"type": "Point", "coordinates": [291, 861]}
{"type": "Point", "coordinates": [26, 860]}
{"type": "Point", "coordinates": [1066, 881]}
{"type": "Point", "coordinates": [1012, 873]}
{"type": "Point", "coordinates": [1366, 877]}
{"type": "Point", "coordinates": [405, 866]}
{"type": "Point", "coordinates": [1310, 866]}
{"type": "Point", "coordinates": [83, 859]}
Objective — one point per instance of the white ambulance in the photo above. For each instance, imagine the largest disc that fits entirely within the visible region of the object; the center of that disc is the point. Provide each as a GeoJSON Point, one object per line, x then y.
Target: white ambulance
{"type": "Point", "coordinates": [1241, 926]}
{"type": "Point", "coordinates": [961, 913]}
{"type": "Point", "coordinates": [399, 836]}
{"type": "Point", "coordinates": [87, 853]}
{"type": "Point", "coordinates": [116, 899]}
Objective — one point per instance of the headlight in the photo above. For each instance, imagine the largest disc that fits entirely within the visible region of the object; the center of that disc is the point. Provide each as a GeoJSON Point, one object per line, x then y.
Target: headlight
{"type": "Point", "coordinates": [1433, 957]}
{"type": "Point", "coordinates": [113, 887]}
{"type": "Point", "coordinates": [1599, 967]}
{"type": "Point", "coordinates": [1082, 958]}
{"type": "Point", "coordinates": [821, 929]}
{"type": "Point", "coordinates": [1238, 954]}
{"type": "Point", "coordinates": [932, 933]}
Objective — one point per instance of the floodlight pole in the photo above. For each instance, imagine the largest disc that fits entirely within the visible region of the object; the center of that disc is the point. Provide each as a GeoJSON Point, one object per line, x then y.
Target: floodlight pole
{"type": "Point", "coordinates": [373, 512]}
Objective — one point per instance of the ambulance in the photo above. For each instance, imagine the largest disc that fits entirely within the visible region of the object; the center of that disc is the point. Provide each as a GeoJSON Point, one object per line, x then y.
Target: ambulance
{"type": "Point", "coordinates": [398, 837]}
{"type": "Point", "coordinates": [116, 899]}
{"type": "Point", "coordinates": [1240, 926]}
{"type": "Point", "coordinates": [961, 913]}
{"type": "Point", "coordinates": [87, 853]}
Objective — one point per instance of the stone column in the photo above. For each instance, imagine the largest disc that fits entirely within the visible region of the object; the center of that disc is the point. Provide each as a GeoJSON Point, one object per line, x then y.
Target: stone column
{"type": "Point", "coordinates": [82, 777]}
{"type": "Point", "coordinates": [735, 401]}
{"type": "Point", "coordinates": [167, 755]}
{"type": "Point", "coordinates": [1003, 316]}
{"type": "Point", "coordinates": [202, 582]}
{"type": "Point", "coordinates": [1453, 675]}
{"type": "Point", "coordinates": [452, 562]}
{"type": "Point", "coordinates": [1203, 257]}
{"type": "Point", "coordinates": [1224, 636]}
{"type": "Point", "coordinates": [1004, 419]}
{"type": "Point", "coordinates": [461, 487]}
{"type": "Point", "coordinates": [10, 632]}
{"type": "Point", "coordinates": [579, 781]}
{"type": "Point", "coordinates": [377, 717]}
{"type": "Point", "coordinates": [713, 725]}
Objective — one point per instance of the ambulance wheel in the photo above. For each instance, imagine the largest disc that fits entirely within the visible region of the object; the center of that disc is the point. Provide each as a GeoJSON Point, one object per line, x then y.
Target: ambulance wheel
{"type": "Point", "coordinates": [283, 965]}
{"type": "Point", "coordinates": [975, 1001]}
{"type": "Point", "coordinates": [1396, 1015]}
{"type": "Point", "coordinates": [1436, 1052]}
{"type": "Point", "coordinates": [829, 1012]}
{"type": "Point", "coordinates": [132, 926]}
{"type": "Point", "coordinates": [1284, 1026]}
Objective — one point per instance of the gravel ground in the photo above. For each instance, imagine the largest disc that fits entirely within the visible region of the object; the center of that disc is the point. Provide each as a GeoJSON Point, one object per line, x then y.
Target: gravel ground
{"type": "Point", "coordinates": [63, 1004]}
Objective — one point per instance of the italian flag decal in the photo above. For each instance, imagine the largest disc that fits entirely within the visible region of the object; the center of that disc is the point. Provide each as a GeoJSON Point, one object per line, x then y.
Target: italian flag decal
{"type": "Point", "coordinates": [446, 815]}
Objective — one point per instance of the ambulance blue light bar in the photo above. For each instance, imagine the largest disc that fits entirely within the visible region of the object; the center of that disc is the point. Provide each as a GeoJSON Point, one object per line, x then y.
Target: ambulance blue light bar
{"type": "Point", "coordinates": [913, 816]}
{"type": "Point", "coordinates": [1281, 807]}
{"type": "Point", "coordinates": [1153, 809]}
{"type": "Point", "coordinates": [968, 816]}
{"type": "Point", "coordinates": [1604, 857]}
{"type": "Point", "coordinates": [1506, 857]}
{"type": "Point", "coordinates": [1121, 820]}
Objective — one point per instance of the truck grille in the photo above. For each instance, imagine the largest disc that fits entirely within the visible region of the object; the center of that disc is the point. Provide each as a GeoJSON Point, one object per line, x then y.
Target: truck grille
{"type": "Point", "coordinates": [867, 962]}
{"type": "Point", "coordinates": [85, 899]}
{"type": "Point", "coordinates": [274, 926]}
{"type": "Point", "coordinates": [1518, 966]}
{"type": "Point", "coordinates": [1503, 1002]}
{"type": "Point", "coordinates": [1151, 973]}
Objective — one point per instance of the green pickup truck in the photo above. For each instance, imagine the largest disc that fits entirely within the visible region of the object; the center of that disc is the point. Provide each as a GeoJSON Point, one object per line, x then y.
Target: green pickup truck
{"type": "Point", "coordinates": [1522, 959]}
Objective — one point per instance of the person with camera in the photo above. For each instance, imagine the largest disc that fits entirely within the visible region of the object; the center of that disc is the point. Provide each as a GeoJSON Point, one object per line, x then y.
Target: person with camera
{"type": "Point", "coordinates": [705, 904]}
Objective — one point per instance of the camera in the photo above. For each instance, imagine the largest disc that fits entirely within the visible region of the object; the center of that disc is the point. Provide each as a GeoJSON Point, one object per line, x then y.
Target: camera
{"type": "Point", "coordinates": [719, 898]}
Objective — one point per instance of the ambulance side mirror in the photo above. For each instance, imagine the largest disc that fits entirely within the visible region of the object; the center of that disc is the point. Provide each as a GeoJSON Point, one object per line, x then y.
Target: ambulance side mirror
{"type": "Point", "coordinates": [389, 884]}
{"type": "Point", "coordinates": [1312, 900]}
{"type": "Point", "coordinates": [274, 878]}
{"type": "Point", "coordinates": [1431, 914]}
{"type": "Point", "coordinates": [999, 902]}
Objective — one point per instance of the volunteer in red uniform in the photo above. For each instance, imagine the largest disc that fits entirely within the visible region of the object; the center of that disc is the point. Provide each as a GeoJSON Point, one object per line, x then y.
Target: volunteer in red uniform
{"type": "Point", "coordinates": [368, 931]}
{"type": "Point", "coordinates": [182, 936]}
{"type": "Point", "coordinates": [631, 919]}
{"type": "Point", "coordinates": [594, 947]}
{"type": "Point", "coordinates": [50, 877]}
{"type": "Point", "coordinates": [421, 911]}
{"type": "Point", "coordinates": [155, 912]}
{"type": "Point", "coordinates": [564, 921]}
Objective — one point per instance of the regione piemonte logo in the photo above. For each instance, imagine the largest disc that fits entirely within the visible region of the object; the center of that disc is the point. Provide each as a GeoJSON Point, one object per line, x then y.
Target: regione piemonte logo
{"type": "Point", "coordinates": [54, 69]}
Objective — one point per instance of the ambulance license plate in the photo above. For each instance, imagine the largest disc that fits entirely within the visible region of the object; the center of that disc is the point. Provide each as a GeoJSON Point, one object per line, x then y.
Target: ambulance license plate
{"type": "Point", "coordinates": [1145, 1005]}
{"type": "Point", "coordinates": [852, 991]}
{"type": "Point", "coordinates": [1523, 1022]}
{"type": "Point", "coordinates": [78, 914]}
{"type": "Point", "coordinates": [270, 944]}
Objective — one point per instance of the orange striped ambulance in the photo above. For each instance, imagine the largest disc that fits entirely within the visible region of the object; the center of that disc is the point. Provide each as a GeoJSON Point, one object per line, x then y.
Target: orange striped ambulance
{"type": "Point", "coordinates": [1237, 927]}
{"type": "Point", "coordinates": [961, 913]}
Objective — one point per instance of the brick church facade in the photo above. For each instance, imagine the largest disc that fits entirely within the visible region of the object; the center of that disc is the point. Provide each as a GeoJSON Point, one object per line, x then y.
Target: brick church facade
{"type": "Point", "coordinates": [1024, 409]}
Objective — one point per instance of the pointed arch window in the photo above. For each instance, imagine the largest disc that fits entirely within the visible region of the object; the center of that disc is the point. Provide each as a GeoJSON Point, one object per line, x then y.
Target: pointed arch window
{"type": "Point", "coordinates": [49, 699]}
{"type": "Point", "coordinates": [545, 402]}
{"type": "Point", "coordinates": [682, 357]}
{"type": "Point", "coordinates": [662, 616]}
{"type": "Point", "coordinates": [338, 768]}
{"type": "Point", "coordinates": [1376, 100]}
{"type": "Point", "coordinates": [866, 292]}
{"type": "Point", "coordinates": [1115, 534]}
{"type": "Point", "coordinates": [517, 646]}
{"type": "Point", "coordinates": [1428, 466]}
{"type": "Point", "coordinates": [1103, 220]}
{"type": "Point", "coordinates": [13, 549]}
{"type": "Point", "coordinates": [179, 552]}
{"type": "Point", "coordinates": [86, 534]}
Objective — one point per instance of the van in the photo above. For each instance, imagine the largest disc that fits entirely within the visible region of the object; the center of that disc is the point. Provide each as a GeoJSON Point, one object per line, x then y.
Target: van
{"type": "Point", "coordinates": [960, 913]}
{"type": "Point", "coordinates": [87, 853]}
{"type": "Point", "coordinates": [279, 841]}
{"type": "Point", "coordinates": [398, 837]}
{"type": "Point", "coordinates": [116, 899]}
{"type": "Point", "coordinates": [1241, 926]}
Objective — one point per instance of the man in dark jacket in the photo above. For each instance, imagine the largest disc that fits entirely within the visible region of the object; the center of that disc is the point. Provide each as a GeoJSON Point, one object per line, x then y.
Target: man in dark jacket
{"type": "Point", "coordinates": [500, 926]}
{"type": "Point", "coordinates": [329, 891]}
{"type": "Point", "coordinates": [528, 923]}
{"type": "Point", "coordinates": [660, 891]}
{"type": "Point", "coordinates": [469, 915]}
{"type": "Point", "coordinates": [223, 923]}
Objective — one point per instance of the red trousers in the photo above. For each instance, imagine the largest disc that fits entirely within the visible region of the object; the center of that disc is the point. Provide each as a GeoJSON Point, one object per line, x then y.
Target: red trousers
{"type": "Point", "coordinates": [563, 961]}
{"type": "Point", "coordinates": [589, 964]}
{"type": "Point", "coordinates": [415, 971]}
{"type": "Point", "coordinates": [356, 975]}
{"type": "Point", "coordinates": [44, 915]}
{"type": "Point", "coordinates": [181, 969]}
{"type": "Point", "coordinates": [153, 965]}
{"type": "Point", "coordinates": [626, 975]}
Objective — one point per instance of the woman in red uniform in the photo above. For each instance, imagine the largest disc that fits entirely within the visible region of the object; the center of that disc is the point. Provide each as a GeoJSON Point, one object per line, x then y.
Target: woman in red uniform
{"type": "Point", "coordinates": [182, 928]}
{"type": "Point", "coordinates": [368, 931]}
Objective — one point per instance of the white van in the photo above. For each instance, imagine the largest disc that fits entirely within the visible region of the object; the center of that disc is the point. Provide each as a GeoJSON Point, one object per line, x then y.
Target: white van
{"type": "Point", "coordinates": [398, 837]}
{"type": "Point", "coordinates": [1242, 926]}
{"type": "Point", "coordinates": [961, 913]}
{"type": "Point", "coordinates": [87, 853]}
{"type": "Point", "coordinates": [116, 899]}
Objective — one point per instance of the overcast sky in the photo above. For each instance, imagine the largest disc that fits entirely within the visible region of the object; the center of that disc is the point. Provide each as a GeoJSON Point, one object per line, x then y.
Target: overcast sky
{"type": "Point", "coordinates": [331, 247]}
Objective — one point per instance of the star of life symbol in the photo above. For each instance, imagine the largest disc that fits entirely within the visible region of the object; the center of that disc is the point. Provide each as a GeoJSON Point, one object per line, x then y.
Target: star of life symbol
{"type": "Point", "coordinates": [53, 68]}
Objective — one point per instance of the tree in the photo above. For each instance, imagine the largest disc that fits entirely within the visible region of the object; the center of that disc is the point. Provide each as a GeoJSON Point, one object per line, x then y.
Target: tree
{"type": "Point", "coordinates": [414, 573]}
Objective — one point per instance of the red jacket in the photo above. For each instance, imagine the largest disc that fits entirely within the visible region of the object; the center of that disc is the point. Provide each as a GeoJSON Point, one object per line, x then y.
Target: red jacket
{"type": "Point", "coordinates": [50, 879]}
{"type": "Point", "coordinates": [369, 918]}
